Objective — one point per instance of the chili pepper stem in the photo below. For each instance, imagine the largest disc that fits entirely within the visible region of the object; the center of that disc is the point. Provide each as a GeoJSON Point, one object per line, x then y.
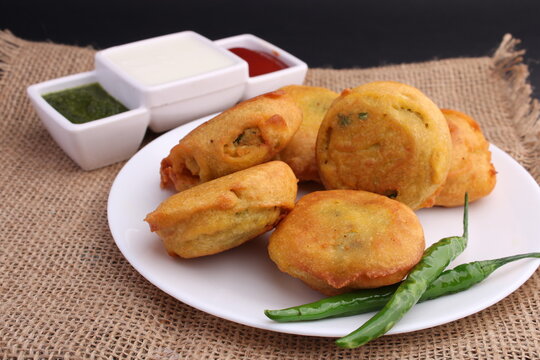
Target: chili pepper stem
{"type": "Point", "coordinates": [489, 266]}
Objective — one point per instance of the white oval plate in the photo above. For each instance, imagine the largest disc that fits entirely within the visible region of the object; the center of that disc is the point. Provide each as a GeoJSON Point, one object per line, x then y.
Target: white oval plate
{"type": "Point", "coordinates": [239, 284]}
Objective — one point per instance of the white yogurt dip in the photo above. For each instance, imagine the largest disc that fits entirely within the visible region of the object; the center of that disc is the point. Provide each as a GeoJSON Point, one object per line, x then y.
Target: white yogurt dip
{"type": "Point", "coordinates": [178, 77]}
{"type": "Point", "coordinates": [168, 59]}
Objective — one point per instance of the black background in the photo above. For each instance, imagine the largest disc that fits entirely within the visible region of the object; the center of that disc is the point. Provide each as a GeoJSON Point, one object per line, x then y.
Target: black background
{"type": "Point", "coordinates": [338, 34]}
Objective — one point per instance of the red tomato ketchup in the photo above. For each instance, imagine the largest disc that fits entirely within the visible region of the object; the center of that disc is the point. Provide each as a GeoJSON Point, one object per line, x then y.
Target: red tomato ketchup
{"type": "Point", "coordinates": [259, 62]}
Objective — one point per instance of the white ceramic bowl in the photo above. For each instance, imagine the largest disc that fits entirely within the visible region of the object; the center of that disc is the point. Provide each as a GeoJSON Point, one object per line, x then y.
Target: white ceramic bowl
{"type": "Point", "coordinates": [174, 102]}
{"type": "Point", "coordinates": [294, 74]}
{"type": "Point", "coordinates": [97, 143]}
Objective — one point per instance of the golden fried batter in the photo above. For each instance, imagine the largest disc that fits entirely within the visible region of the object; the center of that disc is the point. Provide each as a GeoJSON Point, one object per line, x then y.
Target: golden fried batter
{"type": "Point", "coordinates": [226, 212]}
{"type": "Point", "coordinates": [300, 152]}
{"type": "Point", "coordinates": [471, 170]}
{"type": "Point", "coordinates": [339, 240]}
{"type": "Point", "coordinates": [388, 138]}
{"type": "Point", "coordinates": [248, 134]}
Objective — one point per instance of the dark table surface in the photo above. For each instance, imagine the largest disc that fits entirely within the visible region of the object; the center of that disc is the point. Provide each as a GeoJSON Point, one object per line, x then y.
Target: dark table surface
{"type": "Point", "coordinates": [338, 34]}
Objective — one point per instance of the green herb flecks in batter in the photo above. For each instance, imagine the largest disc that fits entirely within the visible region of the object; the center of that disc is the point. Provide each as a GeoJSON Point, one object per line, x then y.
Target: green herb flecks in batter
{"type": "Point", "coordinates": [238, 139]}
{"type": "Point", "coordinates": [343, 120]}
{"type": "Point", "coordinates": [363, 115]}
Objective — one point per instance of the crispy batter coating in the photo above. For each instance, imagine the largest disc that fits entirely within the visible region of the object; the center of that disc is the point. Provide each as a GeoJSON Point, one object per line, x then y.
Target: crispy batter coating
{"type": "Point", "coordinates": [300, 152]}
{"type": "Point", "coordinates": [247, 134]}
{"type": "Point", "coordinates": [388, 138]}
{"type": "Point", "coordinates": [226, 212]}
{"type": "Point", "coordinates": [339, 240]}
{"type": "Point", "coordinates": [471, 170]}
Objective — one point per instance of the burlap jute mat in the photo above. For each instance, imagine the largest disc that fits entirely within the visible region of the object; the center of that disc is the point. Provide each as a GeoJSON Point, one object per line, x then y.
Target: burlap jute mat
{"type": "Point", "coordinates": [66, 292]}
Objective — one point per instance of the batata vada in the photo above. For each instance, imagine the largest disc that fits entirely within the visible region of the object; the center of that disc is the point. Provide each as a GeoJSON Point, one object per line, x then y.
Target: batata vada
{"type": "Point", "coordinates": [226, 212]}
{"type": "Point", "coordinates": [471, 170]}
{"type": "Point", "coordinates": [387, 138]}
{"type": "Point", "coordinates": [300, 152]}
{"type": "Point", "coordinates": [247, 134]}
{"type": "Point", "coordinates": [339, 240]}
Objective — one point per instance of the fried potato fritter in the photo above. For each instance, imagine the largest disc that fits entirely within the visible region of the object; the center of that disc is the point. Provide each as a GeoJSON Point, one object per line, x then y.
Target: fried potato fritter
{"type": "Point", "coordinates": [226, 212]}
{"type": "Point", "coordinates": [471, 170]}
{"type": "Point", "coordinates": [339, 240]}
{"type": "Point", "coordinates": [300, 152]}
{"type": "Point", "coordinates": [247, 134]}
{"type": "Point", "coordinates": [388, 138]}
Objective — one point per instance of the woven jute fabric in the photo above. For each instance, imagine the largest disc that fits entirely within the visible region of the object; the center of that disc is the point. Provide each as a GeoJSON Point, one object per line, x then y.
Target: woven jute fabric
{"type": "Point", "coordinates": [66, 292]}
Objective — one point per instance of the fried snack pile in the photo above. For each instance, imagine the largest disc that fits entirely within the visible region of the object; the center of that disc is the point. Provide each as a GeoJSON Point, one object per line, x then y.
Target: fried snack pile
{"type": "Point", "coordinates": [226, 212]}
{"type": "Point", "coordinates": [247, 134]}
{"type": "Point", "coordinates": [381, 150]}
{"type": "Point", "coordinates": [339, 240]}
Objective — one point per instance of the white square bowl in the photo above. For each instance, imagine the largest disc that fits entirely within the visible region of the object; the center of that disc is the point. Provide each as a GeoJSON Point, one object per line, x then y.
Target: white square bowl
{"type": "Point", "coordinates": [178, 101]}
{"type": "Point", "coordinates": [96, 143]}
{"type": "Point", "coordinates": [294, 74]}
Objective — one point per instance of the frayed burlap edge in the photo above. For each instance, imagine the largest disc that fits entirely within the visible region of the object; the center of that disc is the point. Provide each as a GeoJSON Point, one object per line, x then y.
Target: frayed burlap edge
{"type": "Point", "coordinates": [9, 45]}
{"type": "Point", "coordinates": [524, 111]}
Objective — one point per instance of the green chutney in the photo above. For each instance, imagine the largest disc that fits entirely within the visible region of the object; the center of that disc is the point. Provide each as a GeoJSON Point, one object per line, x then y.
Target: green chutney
{"type": "Point", "coordinates": [84, 103]}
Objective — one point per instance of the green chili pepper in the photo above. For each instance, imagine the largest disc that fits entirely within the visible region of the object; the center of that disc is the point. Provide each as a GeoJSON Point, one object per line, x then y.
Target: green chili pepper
{"type": "Point", "coordinates": [460, 278]}
{"type": "Point", "coordinates": [351, 303]}
{"type": "Point", "coordinates": [435, 259]}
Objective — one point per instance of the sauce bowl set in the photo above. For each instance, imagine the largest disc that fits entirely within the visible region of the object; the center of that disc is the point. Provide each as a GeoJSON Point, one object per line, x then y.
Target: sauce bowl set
{"type": "Point", "coordinates": [163, 82]}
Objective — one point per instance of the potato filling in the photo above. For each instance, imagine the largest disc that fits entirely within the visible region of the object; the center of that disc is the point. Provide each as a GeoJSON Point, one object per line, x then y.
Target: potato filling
{"type": "Point", "coordinates": [245, 142]}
